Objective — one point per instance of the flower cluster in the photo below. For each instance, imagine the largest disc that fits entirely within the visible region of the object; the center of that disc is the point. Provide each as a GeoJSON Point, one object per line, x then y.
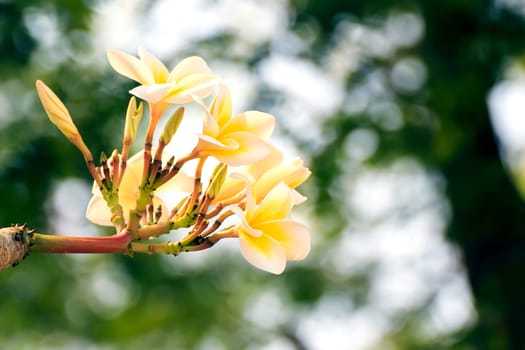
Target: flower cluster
{"type": "Point", "coordinates": [249, 194]}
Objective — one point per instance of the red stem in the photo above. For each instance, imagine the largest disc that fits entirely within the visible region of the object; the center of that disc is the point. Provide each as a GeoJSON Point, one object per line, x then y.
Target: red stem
{"type": "Point", "coordinates": [118, 243]}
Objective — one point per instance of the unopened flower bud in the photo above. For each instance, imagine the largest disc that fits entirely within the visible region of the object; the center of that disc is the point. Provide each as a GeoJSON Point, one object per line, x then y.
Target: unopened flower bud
{"type": "Point", "coordinates": [56, 111]}
{"type": "Point", "coordinates": [217, 179]}
{"type": "Point", "coordinates": [133, 118]}
{"type": "Point", "coordinates": [59, 115]}
{"type": "Point", "coordinates": [172, 125]}
{"type": "Point", "coordinates": [103, 158]}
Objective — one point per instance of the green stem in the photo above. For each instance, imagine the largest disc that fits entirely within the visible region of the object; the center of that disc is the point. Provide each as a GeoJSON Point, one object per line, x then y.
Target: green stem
{"type": "Point", "coordinates": [156, 230]}
{"type": "Point", "coordinates": [173, 248]}
{"type": "Point", "coordinates": [149, 248]}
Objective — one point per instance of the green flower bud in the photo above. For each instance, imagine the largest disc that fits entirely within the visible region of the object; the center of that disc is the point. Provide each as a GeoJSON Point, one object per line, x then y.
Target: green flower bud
{"type": "Point", "coordinates": [217, 179]}
{"type": "Point", "coordinates": [133, 118]}
{"type": "Point", "coordinates": [172, 125]}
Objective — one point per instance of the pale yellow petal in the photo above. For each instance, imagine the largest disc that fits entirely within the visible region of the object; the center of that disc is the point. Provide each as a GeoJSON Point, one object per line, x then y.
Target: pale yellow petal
{"type": "Point", "coordinates": [130, 66]}
{"type": "Point", "coordinates": [188, 66]}
{"type": "Point", "coordinates": [229, 189]}
{"type": "Point", "coordinates": [179, 183]}
{"type": "Point", "coordinates": [129, 185]}
{"type": "Point", "coordinates": [276, 205]}
{"type": "Point", "coordinates": [152, 93]}
{"type": "Point", "coordinates": [249, 149]}
{"type": "Point", "coordinates": [298, 198]}
{"type": "Point", "coordinates": [273, 159]}
{"type": "Point", "coordinates": [158, 69]}
{"type": "Point", "coordinates": [244, 225]}
{"type": "Point", "coordinates": [258, 123]}
{"type": "Point", "coordinates": [200, 85]}
{"type": "Point", "coordinates": [98, 212]}
{"type": "Point", "coordinates": [209, 145]}
{"type": "Point", "coordinates": [297, 173]}
{"type": "Point", "coordinates": [263, 252]}
{"type": "Point", "coordinates": [95, 190]}
{"type": "Point", "coordinates": [292, 236]}
{"type": "Point", "coordinates": [221, 106]}
{"type": "Point", "coordinates": [250, 199]}
{"type": "Point", "coordinates": [210, 127]}
{"type": "Point", "coordinates": [292, 174]}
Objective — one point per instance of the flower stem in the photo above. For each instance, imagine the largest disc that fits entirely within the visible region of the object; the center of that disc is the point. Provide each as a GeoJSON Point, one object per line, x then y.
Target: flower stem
{"type": "Point", "coordinates": [43, 243]}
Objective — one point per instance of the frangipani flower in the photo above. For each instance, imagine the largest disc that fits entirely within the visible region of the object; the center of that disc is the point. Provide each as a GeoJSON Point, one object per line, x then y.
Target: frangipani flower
{"type": "Point", "coordinates": [267, 236]}
{"type": "Point", "coordinates": [265, 175]}
{"type": "Point", "coordinates": [191, 77]}
{"type": "Point", "coordinates": [234, 141]}
{"type": "Point", "coordinates": [99, 213]}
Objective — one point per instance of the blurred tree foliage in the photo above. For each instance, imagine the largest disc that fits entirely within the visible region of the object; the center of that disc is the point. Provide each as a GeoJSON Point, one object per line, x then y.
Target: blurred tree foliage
{"type": "Point", "coordinates": [48, 301]}
{"type": "Point", "coordinates": [465, 47]}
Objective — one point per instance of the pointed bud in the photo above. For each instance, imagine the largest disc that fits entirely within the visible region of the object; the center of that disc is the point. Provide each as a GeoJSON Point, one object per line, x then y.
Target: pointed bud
{"type": "Point", "coordinates": [105, 169]}
{"type": "Point", "coordinates": [170, 162]}
{"type": "Point", "coordinates": [114, 162]}
{"type": "Point", "coordinates": [103, 158]}
{"type": "Point", "coordinates": [217, 180]}
{"type": "Point", "coordinates": [178, 207]}
{"type": "Point", "coordinates": [133, 117]}
{"type": "Point", "coordinates": [114, 157]}
{"type": "Point", "coordinates": [172, 125]}
{"type": "Point", "coordinates": [158, 214]}
{"type": "Point", "coordinates": [59, 115]}
{"type": "Point", "coordinates": [56, 111]}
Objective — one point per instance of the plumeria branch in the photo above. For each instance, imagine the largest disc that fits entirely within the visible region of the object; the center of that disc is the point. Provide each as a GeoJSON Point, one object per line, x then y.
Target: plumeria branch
{"type": "Point", "coordinates": [250, 187]}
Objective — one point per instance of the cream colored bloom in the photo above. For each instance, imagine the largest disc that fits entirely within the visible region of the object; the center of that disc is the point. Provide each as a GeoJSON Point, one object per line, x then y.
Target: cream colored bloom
{"type": "Point", "coordinates": [99, 213]}
{"type": "Point", "coordinates": [190, 77]}
{"type": "Point", "coordinates": [265, 175]}
{"type": "Point", "coordinates": [268, 237]}
{"type": "Point", "coordinates": [238, 140]}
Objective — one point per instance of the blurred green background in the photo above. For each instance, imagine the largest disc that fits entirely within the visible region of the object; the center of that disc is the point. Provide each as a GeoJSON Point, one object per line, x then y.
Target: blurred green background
{"type": "Point", "coordinates": [408, 112]}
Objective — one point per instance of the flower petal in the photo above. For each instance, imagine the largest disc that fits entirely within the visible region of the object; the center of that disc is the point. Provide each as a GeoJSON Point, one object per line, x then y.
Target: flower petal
{"type": "Point", "coordinates": [98, 212]}
{"type": "Point", "coordinates": [221, 106]}
{"type": "Point", "coordinates": [130, 66]}
{"type": "Point", "coordinates": [179, 183]}
{"type": "Point", "coordinates": [263, 252]}
{"type": "Point", "coordinates": [292, 174]}
{"type": "Point", "coordinates": [230, 188]}
{"type": "Point", "coordinates": [258, 123]}
{"type": "Point", "coordinates": [211, 127]}
{"type": "Point", "coordinates": [188, 66]}
{"type": "Point", "coordinates": [292, 236]}
{"type": "Point", "coordinates": [152, 93]}
{"type": "Point", "coordinates": [208, 144]}
{"type": "Point", "coordinates": [249, 149]}
{"type": "Point", "coordinates": [129, 185]}
{"type": "Point", "coordinates": [273, 159]}
{"type": "Point", "coordinates": [250, 199]}
{"type": "Point", "coordinates": [298, 198]}
{"type": "Point", "coordinates": [276, 205]}
{"type": "Point", "coordinates": [201, 85]}
{"type": "Point", "coordinates": [157, 68]}
{"type": "Point", "coordinates": [244, 225]}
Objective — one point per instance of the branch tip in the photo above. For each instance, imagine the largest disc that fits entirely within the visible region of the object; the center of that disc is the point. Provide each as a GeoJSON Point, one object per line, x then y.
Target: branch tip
{"type": "Point", "coordinates": [14, 245]}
